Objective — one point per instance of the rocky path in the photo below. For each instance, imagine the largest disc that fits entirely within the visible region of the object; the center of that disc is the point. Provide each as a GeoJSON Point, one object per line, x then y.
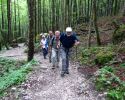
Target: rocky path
{"type": "Point", "coordinates": [44, 83]}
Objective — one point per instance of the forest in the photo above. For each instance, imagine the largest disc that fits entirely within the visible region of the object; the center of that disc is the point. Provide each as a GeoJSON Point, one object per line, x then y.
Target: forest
{"type": "Point", "coordinates": [97, 64]}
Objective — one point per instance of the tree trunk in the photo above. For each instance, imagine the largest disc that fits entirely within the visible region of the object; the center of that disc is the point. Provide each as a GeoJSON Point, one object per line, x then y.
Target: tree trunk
{"type": "Point", "coordinates": [19, 27]}
{"type": "Point", "coordinates": [124, 10]}
{"type": "Point", "coordinates": [43, 16]}
{"type": "Point", "coordinates": [35, 20]}
{"type": "Point", "coordinates": [2, 14]}
{"type": "Point", "coordinates": [31, 8]}
{"type": "Point", "coordinates": [15, 28]}
{"type": "Point", "coordinates": [95, 23]}
{"type": "Point", "coordinates": [116, 6]}
{"type": "Point", "coordinates": [53, 15]}
{"type": "Point", "coordinates": [9, 20]}
{"type": "Point", "coordinates": [89, 33]}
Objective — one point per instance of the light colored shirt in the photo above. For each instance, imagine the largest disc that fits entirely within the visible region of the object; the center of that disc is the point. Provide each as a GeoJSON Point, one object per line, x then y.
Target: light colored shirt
{"type": "Point", "coordinates": [43, 43]}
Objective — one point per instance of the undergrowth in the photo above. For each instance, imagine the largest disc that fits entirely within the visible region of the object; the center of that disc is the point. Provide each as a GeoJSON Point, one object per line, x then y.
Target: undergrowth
{"type": "Point", "coordinates": [15, 74]}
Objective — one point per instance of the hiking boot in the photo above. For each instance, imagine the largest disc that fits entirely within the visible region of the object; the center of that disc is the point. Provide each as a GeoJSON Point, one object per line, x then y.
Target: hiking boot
{"type": "Point", "coordinates": [49, 61]}
{"type": "Point", "coordinates": [44, 57]}
{"type": "Point", "coordinates": [62, 74]}
{"type": "Point", "coordinates": [66, 72]}
{"type": "Point", "coordinates": [53, 67]}
{"type": "Point", "coordinates": [57, 66]}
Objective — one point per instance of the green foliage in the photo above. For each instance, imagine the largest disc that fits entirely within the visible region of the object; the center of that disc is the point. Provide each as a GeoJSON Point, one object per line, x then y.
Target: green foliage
{"type": "Point", "coordinates": [96, 55]}
{"type": "Point", "coordinates": [116, 95]}
{"type": "Point", "coordinates": [36, 48]}
{"type": "Point", "coordinates": [7, 65]}
{"type": "Point", "coordinates": [122, 65]}
{"type": "Point", "coordinates": [104, 56]}
{"type": "Point", "coordinates": [21, 40]}
{"type": "Point", "coordinates": [108, 81]}
{"type": "Point", "coordinates": [102, 80]}
{"type": "Point", "coordinates": [108, 68]}
{"type": "Point", "coordinates": [13, 76]}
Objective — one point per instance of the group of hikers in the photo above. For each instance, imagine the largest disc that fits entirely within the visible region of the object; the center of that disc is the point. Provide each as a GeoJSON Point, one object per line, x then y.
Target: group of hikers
{"type": "Point", "coordinates": [58, 45]}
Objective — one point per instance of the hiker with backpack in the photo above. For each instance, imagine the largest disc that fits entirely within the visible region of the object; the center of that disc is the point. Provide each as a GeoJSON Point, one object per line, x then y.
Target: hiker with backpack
{"type": "Point", "coordinates": [55, 45]}
{"type": "Point", "coordinates": [49, 39]}
{"type": "Point", "coordinates": [68, 40]}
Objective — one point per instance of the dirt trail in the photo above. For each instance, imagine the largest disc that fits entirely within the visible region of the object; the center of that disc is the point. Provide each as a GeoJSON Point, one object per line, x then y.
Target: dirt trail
{"type": "Point", "coordinates": [47, 84]}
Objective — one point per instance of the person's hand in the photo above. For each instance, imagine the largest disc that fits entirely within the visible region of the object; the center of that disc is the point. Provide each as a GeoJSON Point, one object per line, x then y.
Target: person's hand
{"type": "Point", "coordinates": [77, 43]}
{"type": "Point", "coordinates": [58, 46]}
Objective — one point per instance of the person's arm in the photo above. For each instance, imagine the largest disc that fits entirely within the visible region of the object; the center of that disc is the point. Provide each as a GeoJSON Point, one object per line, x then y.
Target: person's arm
{"type": "Point", "coordinates": [76, 40]}
{"type": "Point", "coordinates": [74, 34]}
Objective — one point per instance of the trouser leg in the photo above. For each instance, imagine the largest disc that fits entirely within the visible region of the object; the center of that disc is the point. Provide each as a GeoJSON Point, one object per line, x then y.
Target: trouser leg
{"type": "Point", "coordinates": [44, 53]}
{"type": "Point", "coordinates": [53, 57]}
{"type": "Point", "coordinates": [57, 57]}
{"type": "Point", "coordinates": [50, 56]}
{"type": "Point", "coordinates": [65, 59]}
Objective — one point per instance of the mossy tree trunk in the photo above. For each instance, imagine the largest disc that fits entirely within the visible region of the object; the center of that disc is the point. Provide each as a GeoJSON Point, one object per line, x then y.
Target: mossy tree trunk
{"type": "Point", "coordinates": [95, 23]}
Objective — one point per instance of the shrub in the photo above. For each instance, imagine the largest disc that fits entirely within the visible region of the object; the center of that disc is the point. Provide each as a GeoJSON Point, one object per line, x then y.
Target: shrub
{"type": "Point", "coordinates": [96, 55]}
{"type": "Point", "coordinates": [103, 57]}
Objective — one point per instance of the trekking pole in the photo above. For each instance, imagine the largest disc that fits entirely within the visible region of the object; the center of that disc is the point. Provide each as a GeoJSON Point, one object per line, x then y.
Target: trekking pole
{"type": "Point", "coordinates": [75, 55]}
{"type": "Point", "coordinates": [76, 52]}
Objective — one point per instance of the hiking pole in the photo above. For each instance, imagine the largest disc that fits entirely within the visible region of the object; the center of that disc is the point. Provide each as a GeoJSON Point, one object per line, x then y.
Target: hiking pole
{"type": "Point", "coordinates": [75, 55]}
{"type": "Point", "coordinates": [76, 52]}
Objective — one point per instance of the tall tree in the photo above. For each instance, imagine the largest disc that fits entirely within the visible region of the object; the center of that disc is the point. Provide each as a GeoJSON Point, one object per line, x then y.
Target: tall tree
{"type": "Point", "coordinates": [35, 20]}
{"type": "Point", "coordinates": [31, 8]}
{"type": "Point", "coordinates": [19, 27]}
{"type": "Point", "coordinates": [95, 22]}
{"type": "Point", "coordinates": [123, 10]}
{"type": "Point", "coordinates": [15, 20]}
{"type": "Point", "coordinates": [53, 15]}
{"type": "Point", "coordinates": [9, 19]}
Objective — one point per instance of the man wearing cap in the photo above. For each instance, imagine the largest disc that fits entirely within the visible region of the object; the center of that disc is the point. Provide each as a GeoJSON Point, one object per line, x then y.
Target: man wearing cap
{"type": "Point", "coordinates": [68, 40]}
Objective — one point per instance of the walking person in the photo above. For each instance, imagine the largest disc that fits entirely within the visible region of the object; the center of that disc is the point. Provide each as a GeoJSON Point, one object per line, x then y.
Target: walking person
{"type": "Point", "coordinates": [44, 46]}
{"type": "Point", "coordinates": [55, 45]}
{"type": "Point", "coordinates": [68, 40]}
{"type": "Point", "coordinates": [49, 39]}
